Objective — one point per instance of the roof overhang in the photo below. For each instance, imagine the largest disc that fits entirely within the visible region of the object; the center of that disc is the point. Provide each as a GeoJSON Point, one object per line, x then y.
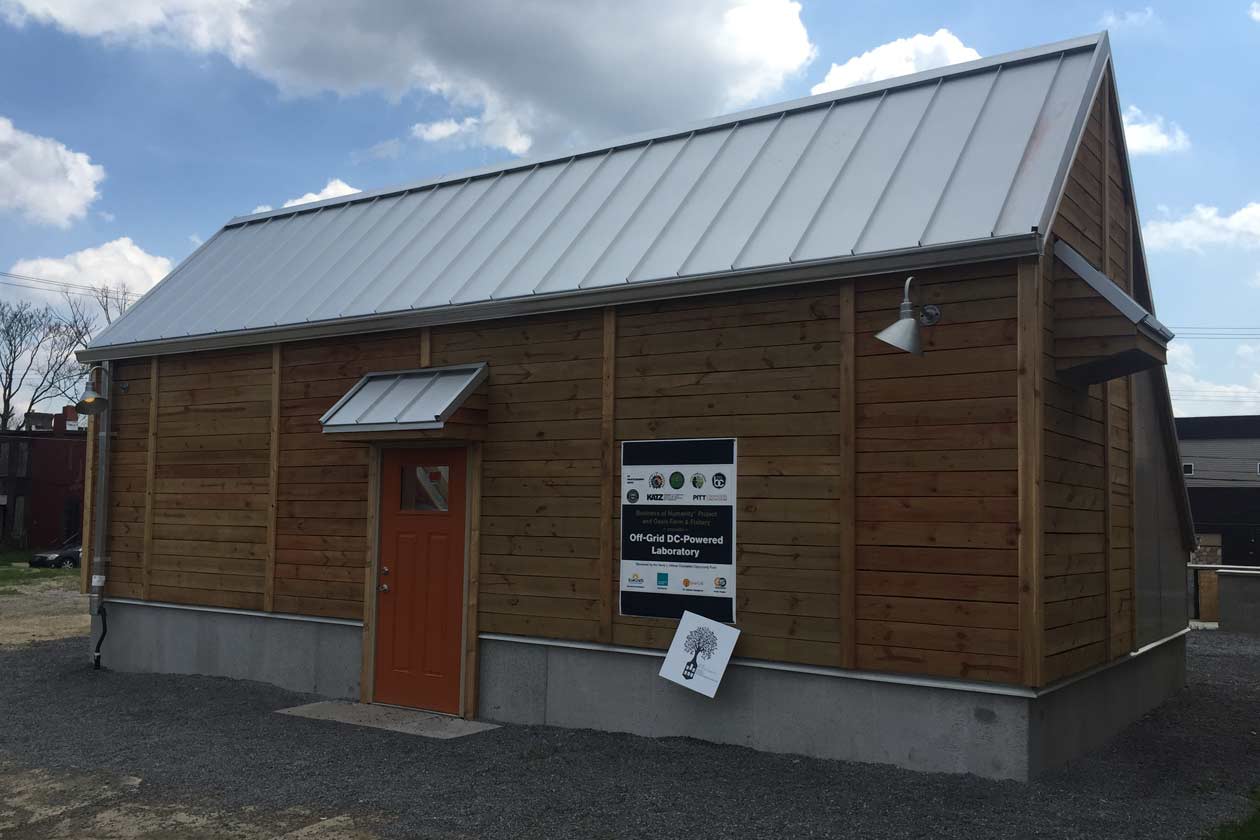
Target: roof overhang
{"type": "Point", "coordinates": [1118, 338]}
{"type": "Point", "coordinates": [388, 402]}
{"type": "Point", "coordinates": [906, 259]}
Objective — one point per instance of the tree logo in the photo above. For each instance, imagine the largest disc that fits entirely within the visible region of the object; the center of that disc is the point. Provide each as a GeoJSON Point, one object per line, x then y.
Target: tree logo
{"type": "Point", "coordinates": [699, 642]}
{"type": "Point", "coordinates": [676, 480]}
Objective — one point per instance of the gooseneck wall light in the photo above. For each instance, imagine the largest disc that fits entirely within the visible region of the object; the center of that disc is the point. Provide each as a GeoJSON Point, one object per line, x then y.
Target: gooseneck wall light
{"type": "Point", "coordinates": [904, 332]}
{"type": "Point", "coordinates": [94, 401]}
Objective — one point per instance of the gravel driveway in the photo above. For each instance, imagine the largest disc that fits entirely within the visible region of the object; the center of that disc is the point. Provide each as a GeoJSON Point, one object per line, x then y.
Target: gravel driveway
{"type": "Point", "coordinates": [124, 755]}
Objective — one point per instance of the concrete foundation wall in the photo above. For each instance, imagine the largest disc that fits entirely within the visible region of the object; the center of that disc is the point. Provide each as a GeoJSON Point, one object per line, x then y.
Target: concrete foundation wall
{"type": "Point", "coordinates": [1082, 716]}
{"type": "Point", "coordinates": [316, 657]}
{"type": "Point", "coordinates": [1240, 601]}
{"type": "Point", "coordinates": [927, 727]}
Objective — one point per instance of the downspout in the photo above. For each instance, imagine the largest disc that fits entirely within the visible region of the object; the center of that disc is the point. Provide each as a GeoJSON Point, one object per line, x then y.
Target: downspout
{"type": "Point", "coordinates": [100, 515]}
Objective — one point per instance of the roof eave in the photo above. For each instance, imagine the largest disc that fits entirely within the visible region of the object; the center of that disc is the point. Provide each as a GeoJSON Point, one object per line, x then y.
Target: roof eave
{"type": "Point", "coordinates": [919, 258]}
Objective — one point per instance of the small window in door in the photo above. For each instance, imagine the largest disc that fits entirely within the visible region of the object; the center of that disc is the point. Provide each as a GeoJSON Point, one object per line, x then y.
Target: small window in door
{"type": "Point", "coordinates": [425, 487]}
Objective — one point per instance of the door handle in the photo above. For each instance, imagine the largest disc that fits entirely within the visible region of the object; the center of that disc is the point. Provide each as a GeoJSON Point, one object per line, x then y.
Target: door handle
{"type": "Point", "coordinates": [384, 587]}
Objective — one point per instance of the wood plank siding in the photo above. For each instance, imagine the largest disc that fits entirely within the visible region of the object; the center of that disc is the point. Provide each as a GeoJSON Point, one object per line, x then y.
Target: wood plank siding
{"type": "Point", "coordinates": [1088, 510]}
{"type": "Point", "coordinates": [878, 509]}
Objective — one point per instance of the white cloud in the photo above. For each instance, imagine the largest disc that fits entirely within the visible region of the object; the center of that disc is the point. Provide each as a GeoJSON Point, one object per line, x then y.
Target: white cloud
{"type": "Point", "coordinates": [43, 180]}
{"type": "Point", "coordinates": [1134, 19]}
{"type": "Point", "coordinates": [1147, 134]}
{"type": "Point", "coordinates": [195, 240]}
{"type": "Point", "coordinates": [1247, 351]}
{"type": "Point", "coordinates": [120, 261]}
{"type": "Point", "coordinates": [1255, 281]}
{"type": "Point", "coordinates": [897, 58]}
{"type": "Point", "coordinates": [1254, 12]}
{"type": "Point", "coordinates": [109, 217]}
{"type": "Point", "coordinates": [1204, 226]}
{"type": "Point", "coordinates": [534, 74]}
{"type": "Point", "coordinates": [443, 129]}
{"type": "Point", "coordinates": [333, 189]}
{"type": "Point", "coordinates": [1193, 396]}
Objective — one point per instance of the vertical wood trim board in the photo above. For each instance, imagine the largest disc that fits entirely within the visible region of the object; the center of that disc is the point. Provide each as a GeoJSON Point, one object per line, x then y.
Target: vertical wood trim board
{"type": "Point", "coordinates": [426, 347]}
{"type": "Point", "coordinates": [1030, 424]}
{"type": "Point", "coordinates": [150, 478]}
{"type": "Point", "coordinates": [89, 488]}
{"type": "Point", "coordinates": [1106, 174]}
{"type": "Point", "coordinates": [273, 503]}
{"type": "Point", "coordinates": [473, 581]}
{"type": "Point", "coordinates": [607, 487]}
{"type": "Point", "coordinates": [1109, 483]}
{"type": "Point", "coordinates": [847, 479]}
{"type": "Point", "coordinates": [1133, 492]}
{"type": "Point", "coordinates": [367, 672]}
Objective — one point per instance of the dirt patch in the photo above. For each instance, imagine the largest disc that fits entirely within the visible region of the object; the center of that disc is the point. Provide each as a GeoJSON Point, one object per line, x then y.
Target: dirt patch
{"type": "Point", "coordinates": [38, 803]}
{"type": "Point", "coordinates": [39, 609]}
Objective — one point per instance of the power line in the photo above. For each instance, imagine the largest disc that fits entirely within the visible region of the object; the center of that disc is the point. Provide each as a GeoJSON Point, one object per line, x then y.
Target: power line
{"type": "Point", "coordinates": [60, 285]}
{"type": "Point", "coordinates": [41, 289]}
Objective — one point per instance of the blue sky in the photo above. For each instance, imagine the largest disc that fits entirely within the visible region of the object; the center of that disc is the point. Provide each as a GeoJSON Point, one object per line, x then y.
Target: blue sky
{"type": "Point", "coordinates": [129, 132]}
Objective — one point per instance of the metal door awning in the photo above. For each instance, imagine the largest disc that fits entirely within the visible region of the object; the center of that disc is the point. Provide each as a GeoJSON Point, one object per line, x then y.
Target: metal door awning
{"type": "Point", "coordinates": [404, 400]}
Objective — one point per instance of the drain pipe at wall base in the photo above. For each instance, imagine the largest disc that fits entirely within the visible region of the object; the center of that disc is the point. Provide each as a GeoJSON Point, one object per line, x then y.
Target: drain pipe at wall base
{"type": "Point", "coordinates": [100, 516]}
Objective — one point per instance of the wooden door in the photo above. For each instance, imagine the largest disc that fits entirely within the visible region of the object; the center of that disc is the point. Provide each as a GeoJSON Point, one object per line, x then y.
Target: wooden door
{"type": "Point", "coordinates": [420, 584]}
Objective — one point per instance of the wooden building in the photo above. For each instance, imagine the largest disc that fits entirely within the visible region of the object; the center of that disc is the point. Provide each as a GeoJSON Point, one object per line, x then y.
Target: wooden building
{"type": "Point", "coordinates": [370, 447]}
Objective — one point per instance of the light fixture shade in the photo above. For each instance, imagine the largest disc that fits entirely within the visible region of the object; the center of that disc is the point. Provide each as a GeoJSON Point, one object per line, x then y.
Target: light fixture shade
{"type": "Point", "coordinates": [903, 334]}
{"type": "Point", "coordinates": [91, 402]}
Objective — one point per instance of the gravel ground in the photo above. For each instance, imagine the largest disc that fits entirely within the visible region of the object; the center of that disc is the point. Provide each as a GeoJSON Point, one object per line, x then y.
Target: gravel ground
{"type": "Point", "coordinates": [198, 746]}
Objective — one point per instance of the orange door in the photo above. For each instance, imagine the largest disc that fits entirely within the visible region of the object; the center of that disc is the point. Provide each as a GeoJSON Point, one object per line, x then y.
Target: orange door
{"type": "Point", "coordinates": [420, 590]}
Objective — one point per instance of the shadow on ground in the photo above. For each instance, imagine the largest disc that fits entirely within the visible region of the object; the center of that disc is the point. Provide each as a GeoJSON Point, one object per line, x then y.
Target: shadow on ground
{"type": "Point", "coordinates": [111, 755]}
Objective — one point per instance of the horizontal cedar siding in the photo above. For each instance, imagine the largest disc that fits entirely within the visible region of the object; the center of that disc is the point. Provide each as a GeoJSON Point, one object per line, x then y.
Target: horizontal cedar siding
{"type": "Point", "coordinates": [937, 498]}
{"type": "Point", "coordinates": [210, 479]}
{"type": "Point", "coordinates": [539, 572]}
{"type": "Point", "coordinates": [322, 492]}
{"type": "Point", "coordinates": [1087, 585]}
{"type": "Point", "coordinates": [764, 368]}
{"type": "Point", "coordinates": [128, 465]}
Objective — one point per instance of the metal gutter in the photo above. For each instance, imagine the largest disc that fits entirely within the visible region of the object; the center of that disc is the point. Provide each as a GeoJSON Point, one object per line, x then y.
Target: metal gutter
{"type": "Point", "coordinates": [669, 288]}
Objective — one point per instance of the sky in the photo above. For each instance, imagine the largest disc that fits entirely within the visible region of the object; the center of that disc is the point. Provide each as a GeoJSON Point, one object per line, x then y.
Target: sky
{"type": "Point", "coordinates": [129, 133]}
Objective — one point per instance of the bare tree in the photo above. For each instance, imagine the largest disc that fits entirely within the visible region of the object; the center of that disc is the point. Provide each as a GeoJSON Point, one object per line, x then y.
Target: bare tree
{"type": "Point", "coordinates": [113, 300]}
{"type": "Point", "coordinates": [37, 354]}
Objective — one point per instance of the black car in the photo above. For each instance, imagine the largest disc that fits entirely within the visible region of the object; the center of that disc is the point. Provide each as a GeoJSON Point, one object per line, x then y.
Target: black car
{"type": "Point", "coordinates": [66, 556]}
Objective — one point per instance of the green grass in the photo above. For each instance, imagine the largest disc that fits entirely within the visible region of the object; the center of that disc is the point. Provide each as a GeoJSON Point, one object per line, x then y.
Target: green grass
{"type": "Point", "coordinates": [15, 571]}
{"type": "Point", "coordinates": [1247, 829]}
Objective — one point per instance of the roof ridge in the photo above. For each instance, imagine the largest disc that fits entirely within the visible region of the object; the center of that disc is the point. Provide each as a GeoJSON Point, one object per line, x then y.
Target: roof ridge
{"type": "Point", "coordinates": [710, 124]}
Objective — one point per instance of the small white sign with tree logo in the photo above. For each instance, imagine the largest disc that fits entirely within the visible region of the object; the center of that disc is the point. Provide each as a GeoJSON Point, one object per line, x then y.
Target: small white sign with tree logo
{"type": "Point", "coordinates": [698, 655]}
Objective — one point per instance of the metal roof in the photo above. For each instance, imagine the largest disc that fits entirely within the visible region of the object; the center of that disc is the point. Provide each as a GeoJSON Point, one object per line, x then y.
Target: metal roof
{"type": "Point", "coordinates": [407, 399]}
{"type": "Point", "coordinates": [970, 157]}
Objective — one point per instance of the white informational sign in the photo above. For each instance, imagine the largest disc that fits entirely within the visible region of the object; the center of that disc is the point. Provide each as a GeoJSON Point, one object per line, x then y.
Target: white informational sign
{"type": "Point", "coordinates": [678, 528]}
{"type": "Point", "coordinates": [698, 655]}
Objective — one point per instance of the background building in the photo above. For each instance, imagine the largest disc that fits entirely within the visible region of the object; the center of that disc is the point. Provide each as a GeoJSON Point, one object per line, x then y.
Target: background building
{"type": "Point", "coordinates": [41, 482]}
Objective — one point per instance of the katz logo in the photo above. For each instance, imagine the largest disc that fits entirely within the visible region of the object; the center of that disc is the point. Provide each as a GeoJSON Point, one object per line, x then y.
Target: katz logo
{"type": "Point", "coordinates": [655, 497]}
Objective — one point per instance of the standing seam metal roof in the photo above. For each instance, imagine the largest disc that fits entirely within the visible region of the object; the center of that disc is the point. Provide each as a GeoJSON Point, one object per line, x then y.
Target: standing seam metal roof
{"type": "Point", "coordinates": [965, 154]}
